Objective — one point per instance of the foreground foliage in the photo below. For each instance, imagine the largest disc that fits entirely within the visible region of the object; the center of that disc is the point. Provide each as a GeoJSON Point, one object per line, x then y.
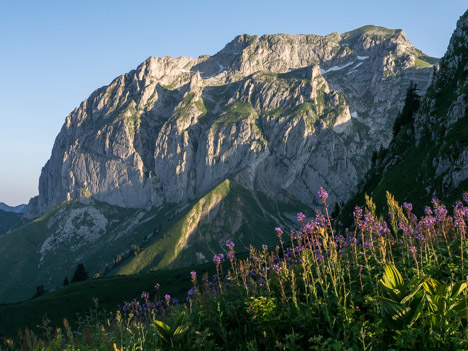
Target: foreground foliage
{"type": "Point", "coordinates": [399, 283]}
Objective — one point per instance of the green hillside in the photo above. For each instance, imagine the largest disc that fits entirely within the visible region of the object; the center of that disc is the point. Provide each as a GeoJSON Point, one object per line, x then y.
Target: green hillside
{"type": "Point", "coordinates": [77, 299]}
{"type": "Point", "coordinates": [110, 240]}
{"type": "Point", "coordinates": [9, 221]}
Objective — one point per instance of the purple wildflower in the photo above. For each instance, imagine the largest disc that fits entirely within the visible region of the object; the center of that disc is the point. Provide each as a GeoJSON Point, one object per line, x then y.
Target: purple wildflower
{"type": "Point", "coordinates": [322, 194]}
{"type": "Point", "coordinates": [218, 259]}
{"type": "Point", "coordinates": [357, 213]}
{"type": "Point", "coordinates": [407, 206]}
{"type": "Point", "coordinates": [190, 294]}
{"type": "Point", "coordinates": [300, 217]}
{"type": "Point", "coordinates": [229, 244]}
{"type": "Point", "coordinates": [428, 211]}
{"type": "Point", "coordinates": [279, 232]}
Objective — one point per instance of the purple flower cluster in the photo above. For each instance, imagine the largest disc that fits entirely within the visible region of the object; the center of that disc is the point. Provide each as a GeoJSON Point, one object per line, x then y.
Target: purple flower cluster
{"type": "Point", "coordinates": [279, 232]}
{"type": "Point", "coordinates": [322, 194]}
{"type": "Point", "coordinates": [300, 217]}
{"type": "Point", "coordinates": [407, 206]}
{"type": "Point", "coordinates": [144, 295]}
{"type": "Point", "coordinates": [357, 213]}
{"type": "Point", "coordinates": [218, 259]}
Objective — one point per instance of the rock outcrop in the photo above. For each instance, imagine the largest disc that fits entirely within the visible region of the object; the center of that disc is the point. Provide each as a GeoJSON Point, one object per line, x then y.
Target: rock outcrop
{"type": "Point", "coordinates": [282, 114]}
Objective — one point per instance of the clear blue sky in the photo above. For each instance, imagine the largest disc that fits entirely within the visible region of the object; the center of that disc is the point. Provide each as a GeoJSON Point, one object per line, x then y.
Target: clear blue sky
{"type": "Point", "coordinates": [53, 54]}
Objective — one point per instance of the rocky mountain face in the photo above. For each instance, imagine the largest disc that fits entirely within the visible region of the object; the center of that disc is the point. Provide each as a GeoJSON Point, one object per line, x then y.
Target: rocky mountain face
{"type": "Point", "coordinates": [432, 150]}
{"type": "Point", "coordinates": [165, 164]}
{"type": "Point", "coordinates": [444, 114]}
{"type": "Point", "coordinates": [281, 114]}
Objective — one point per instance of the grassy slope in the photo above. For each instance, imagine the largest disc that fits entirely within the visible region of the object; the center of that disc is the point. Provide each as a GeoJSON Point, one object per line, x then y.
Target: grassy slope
{"type": "Point", "coordinates": [77, 298]}
{"type": "Point", "coordinates": [9, 221]}
{"type": "Point", "coordinates": [165, 237]}
{"type": "Point", "coordinates": [260, 215]}
{"type": "Point", "coordinates": [20, 264]}
{"type": "Point", "coordinates": [202, 230]}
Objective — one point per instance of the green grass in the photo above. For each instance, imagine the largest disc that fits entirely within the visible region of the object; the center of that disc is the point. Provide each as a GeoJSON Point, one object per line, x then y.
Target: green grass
{"type": "Point", "coordinates": [20, 263]}
{"type": "Point", "coordinates": [195, 232]}
{"type": "Point", "coordinates": [420, 62]}
{"type": "Point", "coordinates": [77, 298]}
{"type": "Point", "coordinates": [372, 30]}
{"type": "Point", "coordinates": [163, 252]}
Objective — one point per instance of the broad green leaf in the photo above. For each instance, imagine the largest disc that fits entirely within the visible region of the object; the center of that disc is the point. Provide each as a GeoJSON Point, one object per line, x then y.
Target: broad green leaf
{"type": "Point", "coordinates": [439, 302]}
{"type": "Point", "coordinates": [416, 308]}
{"type": "Point", "coordinates": [392, 278]}
{"type": "Point", "coordinates": [181, 329]}
{"type": "Point", "coordinates": [431, 286]}
{"type": "Point", "coordinates": [180, 317]}
{"type": "Point", "coordinates": [394, 313]}
{"type": "Point", "coordinates": [459, 288]}
{"type": "Point", "coordinates": [389, 293]}
{"type": "Point", "coordinates": [414, 291]}
{"type": "Point", "coordinates": [432, 304]}
{"type": "Point", "coordinates": [162, 325]}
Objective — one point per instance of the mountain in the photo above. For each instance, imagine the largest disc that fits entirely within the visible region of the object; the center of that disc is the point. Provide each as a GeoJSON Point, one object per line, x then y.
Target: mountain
{"type": "Point", "coordinates": [429, 156]}
{"type": "Point", "coordinates": [159, 168]}
{"type": "Point", "coordinates": [283, 114]}
{"type": "Point", "coordinates": [15, 209]}
{"type": "Point", "coordinates": [9, 221]}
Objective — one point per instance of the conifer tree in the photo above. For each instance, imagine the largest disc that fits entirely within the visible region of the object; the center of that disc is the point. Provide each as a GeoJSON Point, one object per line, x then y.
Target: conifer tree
{"type": "Point", "coordinates": [39, 291]}
{"type": "Point", "coordinates": [411, 106]}
{"type": "Point", "coordinates": [80, 274]}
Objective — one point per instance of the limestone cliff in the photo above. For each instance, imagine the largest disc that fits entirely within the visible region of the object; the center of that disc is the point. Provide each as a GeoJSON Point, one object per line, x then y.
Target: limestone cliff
{"type": "Point", "coordinates": [282, 114]}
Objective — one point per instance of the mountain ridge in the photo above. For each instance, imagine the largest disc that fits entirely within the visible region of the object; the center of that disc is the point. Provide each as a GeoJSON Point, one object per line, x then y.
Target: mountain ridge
{"type": "Point", "coordinates": [162, 86]}
{"type": "Point", "coordinates": [15, 209]}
